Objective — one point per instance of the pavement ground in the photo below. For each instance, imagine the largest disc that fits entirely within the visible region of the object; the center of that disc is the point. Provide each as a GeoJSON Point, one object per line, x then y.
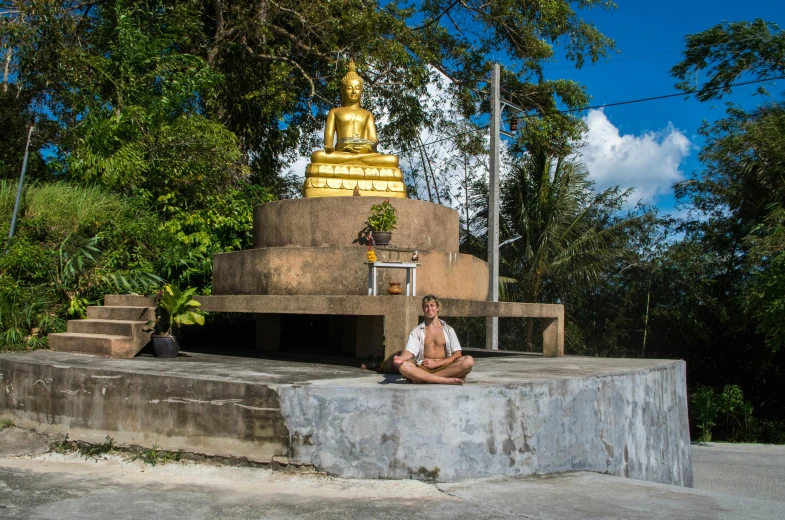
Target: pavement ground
{"type": "Point", "coordinates": [732, 481]}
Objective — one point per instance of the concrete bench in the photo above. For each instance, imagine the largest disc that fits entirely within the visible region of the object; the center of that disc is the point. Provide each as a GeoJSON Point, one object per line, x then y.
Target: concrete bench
{"type": "Point", "coordinates": [400, 314]}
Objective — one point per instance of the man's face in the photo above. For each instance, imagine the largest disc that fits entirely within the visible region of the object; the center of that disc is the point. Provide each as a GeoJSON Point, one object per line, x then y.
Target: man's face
{"type": "Point", "coordinates": [430, 309]}
{"type": "Point", "coordinates": [352, 91]}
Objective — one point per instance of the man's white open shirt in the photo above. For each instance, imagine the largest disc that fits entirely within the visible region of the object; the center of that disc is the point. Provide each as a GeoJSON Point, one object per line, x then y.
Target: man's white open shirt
{"type": "Point", "coordinates": [416, 343]}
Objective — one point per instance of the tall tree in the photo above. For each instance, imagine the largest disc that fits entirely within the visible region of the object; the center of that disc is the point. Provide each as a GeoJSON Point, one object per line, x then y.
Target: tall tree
{"type": "Point", "coordinates": [741, 188]}
{"type": "Point", "coordinates": [559, 228]}
{"type": "Point", "coordinates": [729, 264]}
{"type": "Point", "coordinates": [283, 63]}
{"type": "Point", "coordinates": [729, 51]}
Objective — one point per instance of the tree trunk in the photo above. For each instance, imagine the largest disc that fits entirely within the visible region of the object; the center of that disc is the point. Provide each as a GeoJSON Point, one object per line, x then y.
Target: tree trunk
{"type": "Point", "coordinates": [466, 190]}
{"type": "Point", "coordinates": [7, 70]}
{"type": "Point", "coordinates": [433, 176]}
{"type": "Point", "coordinates": [425, 172]}
{"type": "Point", "coordinates": [646, 319]}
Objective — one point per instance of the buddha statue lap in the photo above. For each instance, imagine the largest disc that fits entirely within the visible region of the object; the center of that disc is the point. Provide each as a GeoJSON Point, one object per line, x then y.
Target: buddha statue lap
{"type": "Point", "coordinates": [353, 161]}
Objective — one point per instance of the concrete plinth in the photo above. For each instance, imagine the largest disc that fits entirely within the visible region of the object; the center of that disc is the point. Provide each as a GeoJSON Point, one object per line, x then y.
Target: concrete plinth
{"type": "Point", "coordinates": [518, 415]}
{"type": "Point", "coordinates": [343, 271]}
{"type": "Point", "coordinates": [340, 221]}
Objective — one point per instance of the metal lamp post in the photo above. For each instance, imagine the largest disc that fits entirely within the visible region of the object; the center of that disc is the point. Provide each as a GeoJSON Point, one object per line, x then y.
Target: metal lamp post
{"type": "Point", "coordinates": [497, 107]}
{"type": "Point", "coordinates": [19, 190]}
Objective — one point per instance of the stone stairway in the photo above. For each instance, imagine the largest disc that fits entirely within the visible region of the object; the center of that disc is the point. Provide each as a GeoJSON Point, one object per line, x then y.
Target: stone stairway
{"type": "Point", "coordinates": [116, 330]}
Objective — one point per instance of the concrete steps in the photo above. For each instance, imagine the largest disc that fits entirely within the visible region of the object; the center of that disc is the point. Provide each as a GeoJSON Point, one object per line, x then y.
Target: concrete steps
{"type": "Point", "coordinates": [97, 344]}
{"type": "Point", "coordinates": [121, 313]}
{"type": "Point", "coordinates": [116, 330]}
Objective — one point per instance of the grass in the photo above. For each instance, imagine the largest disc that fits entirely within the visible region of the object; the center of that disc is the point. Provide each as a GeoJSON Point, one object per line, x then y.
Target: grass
{"type": "Point", "coordinates": [85, 449]}
{"type": "Point", "coordinates": [6, 423]}
{"type": "Point", "coordinates": [62, 205]}
{"type": "Point", "coordinates": [152, 456]}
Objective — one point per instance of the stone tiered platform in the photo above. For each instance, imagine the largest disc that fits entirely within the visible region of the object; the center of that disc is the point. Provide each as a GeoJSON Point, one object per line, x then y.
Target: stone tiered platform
{"type": "Point", "coordinates": [314, 247]}
{"type": "Point", "coordinates": [517, 414]}
{"type": "Point", "coordinates": [313, 250]}
{"type": "Point", "coordinates": [118, 329]}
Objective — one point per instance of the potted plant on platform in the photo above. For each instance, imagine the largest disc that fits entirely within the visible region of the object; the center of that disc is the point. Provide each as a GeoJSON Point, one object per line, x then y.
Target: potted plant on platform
{"type": "Point", "coordinates": [382, 221]}
{"type": "Point", "coordinates": [174, 309]}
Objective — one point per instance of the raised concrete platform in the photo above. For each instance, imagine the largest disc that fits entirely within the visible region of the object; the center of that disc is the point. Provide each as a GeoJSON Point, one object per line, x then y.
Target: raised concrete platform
{"type": "Point", "coordinates": [519, 415]}
{"type": "Point", "coordinates": [400, 315]}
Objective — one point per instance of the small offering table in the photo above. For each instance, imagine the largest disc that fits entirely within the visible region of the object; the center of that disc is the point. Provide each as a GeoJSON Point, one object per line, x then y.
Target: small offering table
{"type": "Point", "coordinates": [411, 275]}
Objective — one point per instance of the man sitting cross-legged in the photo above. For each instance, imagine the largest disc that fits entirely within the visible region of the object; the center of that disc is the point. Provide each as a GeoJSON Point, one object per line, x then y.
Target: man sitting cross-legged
{"type": "Point", "coordinates": [433, 354]}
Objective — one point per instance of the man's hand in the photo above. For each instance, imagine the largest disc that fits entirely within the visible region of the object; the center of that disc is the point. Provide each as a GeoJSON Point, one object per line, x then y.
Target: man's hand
{"type": "Point", "coordinates": [432, 363]}
{"type": "Point", "coordinates": [398, 360]}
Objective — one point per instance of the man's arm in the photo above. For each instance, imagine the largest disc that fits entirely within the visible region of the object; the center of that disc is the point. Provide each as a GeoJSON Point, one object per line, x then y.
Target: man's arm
{"type": "Point", "coordinates": [436, 363]}
{"type": "Point", "coordinates": [403, 358]}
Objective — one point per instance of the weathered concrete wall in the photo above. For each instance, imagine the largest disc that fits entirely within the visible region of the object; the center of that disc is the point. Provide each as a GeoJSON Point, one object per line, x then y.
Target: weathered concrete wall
{"type": "Point", "coordinates": [633, 425]}
{"type": "Point", "coordinates": [339, 221]}
{"type": "Point", "coordinates": [199, 415]}
{"type": "Point", "coordinates": [343, 271]}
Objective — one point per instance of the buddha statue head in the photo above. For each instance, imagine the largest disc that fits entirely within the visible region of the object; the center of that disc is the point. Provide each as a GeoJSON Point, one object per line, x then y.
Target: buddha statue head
{"type": "Point", "coordinates": [351, 87]}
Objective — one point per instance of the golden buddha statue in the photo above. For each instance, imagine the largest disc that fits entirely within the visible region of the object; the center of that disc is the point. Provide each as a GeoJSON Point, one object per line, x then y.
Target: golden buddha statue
{"type": "Point", "coordinates": [352, 164]}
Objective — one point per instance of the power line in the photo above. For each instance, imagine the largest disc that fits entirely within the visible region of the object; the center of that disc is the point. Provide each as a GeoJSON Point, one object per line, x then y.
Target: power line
{"type": "Point", "coordinates": [595, 107]}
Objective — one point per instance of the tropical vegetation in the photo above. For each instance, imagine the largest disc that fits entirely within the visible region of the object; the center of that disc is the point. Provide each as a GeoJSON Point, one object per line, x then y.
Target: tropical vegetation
{"type": "Point", "coordinates": [160, 124]}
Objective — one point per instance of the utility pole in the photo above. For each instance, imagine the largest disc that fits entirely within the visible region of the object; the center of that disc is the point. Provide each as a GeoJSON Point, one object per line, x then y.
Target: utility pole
{"type": "Point", "coordinates": [492, 323]}
{"type": "Point", "coordinates": [19, 190]}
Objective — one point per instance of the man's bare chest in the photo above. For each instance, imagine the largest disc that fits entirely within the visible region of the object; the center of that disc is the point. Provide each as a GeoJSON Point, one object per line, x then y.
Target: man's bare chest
{"type": "Point", "coordinates": [435, 342]}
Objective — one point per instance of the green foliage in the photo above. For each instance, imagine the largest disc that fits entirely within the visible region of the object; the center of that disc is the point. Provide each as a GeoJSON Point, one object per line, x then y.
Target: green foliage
{"type": "Point", "coordinates": [154, 456]}
{"type": "Point", "coordinates": [26, 316]}
{"type": "Point", "coordinates": [383, 217]}
{"type": "Point", "coordinates": [729, 51]}
{"type": "Point", "coordinates": [559, 232]}
{"type": "Point", "coordinates": [90, 451]}
{"type": "Point", "coordinates": [85, 449]}
{"type": "Point", "coordinates": [704, 407]}
{"type": "Point", "coordinates": [224, 224]}
{"type": "Point", "coordinates": [6, 423]}
{"type": "Point", "coordinates": [549, 203]}
{"type": "Point", "coordinates": [72, 245]}
{"type": "Point", "coordinates": [729, 417]}
{"type": "Point", "coordinates": [176, 308]}
{"type": "Point", "coordinates": [125, 81]}
{"type": "Point", "coordinates": [722, 295]}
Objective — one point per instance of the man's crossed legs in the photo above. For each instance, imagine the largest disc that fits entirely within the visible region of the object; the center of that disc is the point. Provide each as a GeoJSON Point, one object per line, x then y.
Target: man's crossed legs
{"type": "Point", "coordinates": [452, 374]}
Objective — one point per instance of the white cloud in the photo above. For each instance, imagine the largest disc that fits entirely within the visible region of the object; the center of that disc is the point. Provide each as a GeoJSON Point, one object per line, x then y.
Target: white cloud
{"type": "Point", "coordinates": [649, 163]}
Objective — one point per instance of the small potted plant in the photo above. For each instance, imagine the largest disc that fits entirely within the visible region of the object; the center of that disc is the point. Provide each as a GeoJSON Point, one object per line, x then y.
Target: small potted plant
{"type": "Point", "coordinates": [382, 221]}
{"type": "Point", "coordinates": [174, 308]}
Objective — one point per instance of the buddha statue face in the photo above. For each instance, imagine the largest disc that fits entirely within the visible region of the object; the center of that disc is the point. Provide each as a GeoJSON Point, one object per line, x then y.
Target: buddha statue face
{"type": "Point", "coordinates": [351, 92]}
{"type": "Point", "coordinates": [351, 87]}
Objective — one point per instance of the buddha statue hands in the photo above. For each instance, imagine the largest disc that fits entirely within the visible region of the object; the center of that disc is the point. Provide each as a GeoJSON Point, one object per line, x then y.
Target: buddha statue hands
{"type": "Point", "coordinates": [350, 163]}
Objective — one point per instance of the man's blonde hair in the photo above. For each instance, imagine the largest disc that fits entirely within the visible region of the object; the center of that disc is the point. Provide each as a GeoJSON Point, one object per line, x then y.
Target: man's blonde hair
{"type": "Point", "coordinates": [431, 298]}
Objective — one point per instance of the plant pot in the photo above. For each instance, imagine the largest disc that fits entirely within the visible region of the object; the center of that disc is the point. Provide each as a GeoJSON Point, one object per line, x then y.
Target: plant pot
{"type": "Point", "coordinates": [395, 288]}
{"type": "Point", "coordinates": [381, 238]}
{"type": "Point", "coordinates": [165, 346]}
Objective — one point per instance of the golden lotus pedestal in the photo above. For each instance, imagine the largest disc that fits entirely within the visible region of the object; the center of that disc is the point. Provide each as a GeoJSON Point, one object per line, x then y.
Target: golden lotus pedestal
{"type": "Point", "coordinates": [331, 180]}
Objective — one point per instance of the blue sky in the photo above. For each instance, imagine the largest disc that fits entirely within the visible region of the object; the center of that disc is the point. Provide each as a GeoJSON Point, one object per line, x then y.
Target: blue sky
{"type": "Point", "coordinates": [648, 145]}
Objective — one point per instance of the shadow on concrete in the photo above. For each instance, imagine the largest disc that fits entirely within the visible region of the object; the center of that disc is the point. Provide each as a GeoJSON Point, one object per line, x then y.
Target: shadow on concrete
{"type": "Point", "coordinates": [309, 339]}
{"type": "Point", "coordinates": [392, 379]}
